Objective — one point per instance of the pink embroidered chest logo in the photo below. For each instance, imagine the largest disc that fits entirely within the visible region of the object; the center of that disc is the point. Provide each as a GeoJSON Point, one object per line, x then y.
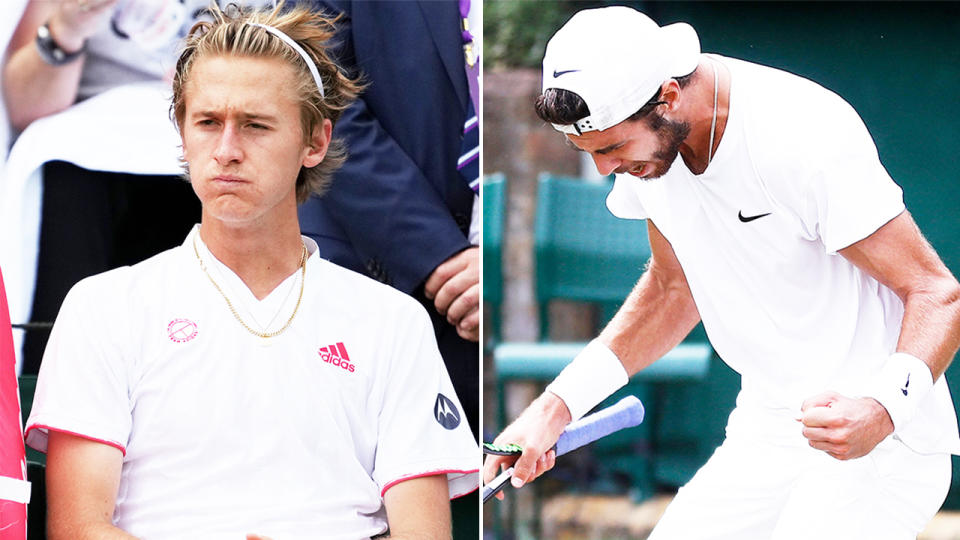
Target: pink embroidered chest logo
{"type": "Point", "coordinates": [336, 355]}
{"type": "Point", "coordinates": [181, 330]}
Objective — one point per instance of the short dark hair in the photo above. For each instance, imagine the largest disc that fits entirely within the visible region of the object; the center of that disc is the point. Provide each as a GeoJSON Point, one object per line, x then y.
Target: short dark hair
{"type": "Point", "coordinates": [559, 106]}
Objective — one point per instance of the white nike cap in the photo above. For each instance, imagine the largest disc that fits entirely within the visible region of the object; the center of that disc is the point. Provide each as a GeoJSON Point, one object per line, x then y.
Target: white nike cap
{"type": "Point", "coordinates": [616, 59]}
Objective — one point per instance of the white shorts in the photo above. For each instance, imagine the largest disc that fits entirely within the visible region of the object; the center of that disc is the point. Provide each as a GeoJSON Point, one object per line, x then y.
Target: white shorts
{"type": "Point", "coordinates": [779, 488]}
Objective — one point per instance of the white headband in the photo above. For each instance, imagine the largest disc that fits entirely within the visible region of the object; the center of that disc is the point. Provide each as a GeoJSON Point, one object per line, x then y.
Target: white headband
{"type": "Point", "coordinates": [303, 54]}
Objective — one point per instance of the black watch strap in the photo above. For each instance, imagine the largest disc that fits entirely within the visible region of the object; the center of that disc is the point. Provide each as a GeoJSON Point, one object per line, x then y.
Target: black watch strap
{"type": "Point", "coordinates": [50, 50]}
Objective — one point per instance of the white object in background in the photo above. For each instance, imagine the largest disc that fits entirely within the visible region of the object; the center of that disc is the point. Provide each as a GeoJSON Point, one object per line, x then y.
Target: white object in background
{"type": "Point", "coordinates": [152, 24]}
{"type": "Point", "coordinates": [126, 129]}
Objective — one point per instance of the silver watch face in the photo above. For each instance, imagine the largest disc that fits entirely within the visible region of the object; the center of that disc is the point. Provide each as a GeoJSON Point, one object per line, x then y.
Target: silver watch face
{"type": "Point", "coordinates": [50, 51]}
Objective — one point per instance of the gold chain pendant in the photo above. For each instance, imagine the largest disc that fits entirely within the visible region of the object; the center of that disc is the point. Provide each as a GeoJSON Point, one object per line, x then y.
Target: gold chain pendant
{"type": "Point", "coordinates": [264, 335]}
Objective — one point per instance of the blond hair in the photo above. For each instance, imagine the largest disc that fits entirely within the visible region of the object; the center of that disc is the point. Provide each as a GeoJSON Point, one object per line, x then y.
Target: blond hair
{"type": "Point", "coordinates": [232, 33]}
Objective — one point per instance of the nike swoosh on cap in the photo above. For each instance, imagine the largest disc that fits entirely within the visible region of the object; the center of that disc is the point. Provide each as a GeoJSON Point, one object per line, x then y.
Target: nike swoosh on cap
{"type": "Point", "coordinates": [559, 73]}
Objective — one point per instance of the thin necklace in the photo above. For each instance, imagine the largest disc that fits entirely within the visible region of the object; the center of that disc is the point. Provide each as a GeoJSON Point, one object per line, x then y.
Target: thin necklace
{"type": "Point", "coordinates": [279, 309]}
{"type": "Point", "coordinates": [713, 124]}
{"type": "Point", "coordinates": [265, 335]}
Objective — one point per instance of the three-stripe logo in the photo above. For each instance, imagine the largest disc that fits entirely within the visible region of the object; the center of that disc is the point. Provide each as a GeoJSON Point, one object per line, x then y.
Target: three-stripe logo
{"type": "Point", "coordinates": [336, 355]}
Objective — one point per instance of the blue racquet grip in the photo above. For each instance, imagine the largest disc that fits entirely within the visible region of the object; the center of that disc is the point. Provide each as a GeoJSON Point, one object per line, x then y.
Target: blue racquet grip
{"type": "Point", "coordinates": [627, 412]}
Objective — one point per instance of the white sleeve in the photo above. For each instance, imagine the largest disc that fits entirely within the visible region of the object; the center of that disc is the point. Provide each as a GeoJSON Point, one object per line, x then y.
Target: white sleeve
{"type": "Point", "coordinates": [422, 430]}
{"type": "Point", "coordinates": [826, 168]}
{"type": "Point", "coordinates": [821, 163]}
{"type": "Point", "coordinates": [622, 201]}
{"type": "Point", "coordinates": [852, 193]}
{"type": "Point", "coordinates": [82, 385]}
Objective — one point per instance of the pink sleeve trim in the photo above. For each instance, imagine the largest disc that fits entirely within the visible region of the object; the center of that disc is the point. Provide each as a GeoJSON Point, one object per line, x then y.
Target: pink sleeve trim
{"type": "Point", "coordinates": [432, 473]}
{"type": "Point", "coordinates": [75, 434]}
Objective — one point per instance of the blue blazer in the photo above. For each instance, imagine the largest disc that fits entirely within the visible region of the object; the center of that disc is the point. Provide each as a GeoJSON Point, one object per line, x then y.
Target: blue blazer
{"type": "Point", "coordinates": [398, 208]}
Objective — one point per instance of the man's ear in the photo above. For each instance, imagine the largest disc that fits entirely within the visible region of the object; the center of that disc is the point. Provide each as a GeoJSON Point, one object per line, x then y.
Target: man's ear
{"type": "Point", "coordinates": [319, 144]}
{"type": "Point", "coordinates": [670, 93]}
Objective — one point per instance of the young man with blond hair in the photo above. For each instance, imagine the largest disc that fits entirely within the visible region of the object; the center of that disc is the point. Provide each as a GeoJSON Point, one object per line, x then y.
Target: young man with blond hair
{"type": "Point", "coordinates": [239, 384]}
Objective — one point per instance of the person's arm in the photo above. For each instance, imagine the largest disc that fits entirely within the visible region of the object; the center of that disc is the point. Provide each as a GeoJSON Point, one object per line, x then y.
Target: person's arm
{"type": "Point", "coordinates": [659, 312]}
{"type": "Point", "coordinates": [33, 88]}
{"type": "Point", "coordinates": [419, 509]}
{"type": "Point", "coordinates": [82, 480]}
{"type": "Point", "coordinates": [655, 317]}
{"type": "Point", "coordinates": [899, 257]}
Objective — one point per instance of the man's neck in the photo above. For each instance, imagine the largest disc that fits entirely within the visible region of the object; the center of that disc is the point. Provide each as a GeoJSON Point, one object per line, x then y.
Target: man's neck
{"type": "Point", "coordinates": [261, 254]}
{"type": "Point", "coordinates": [695, 148]}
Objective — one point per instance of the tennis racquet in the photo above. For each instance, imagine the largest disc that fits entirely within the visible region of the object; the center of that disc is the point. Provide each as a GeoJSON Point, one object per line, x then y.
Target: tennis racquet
{"type": "Point", "coordinates": [627, 412]}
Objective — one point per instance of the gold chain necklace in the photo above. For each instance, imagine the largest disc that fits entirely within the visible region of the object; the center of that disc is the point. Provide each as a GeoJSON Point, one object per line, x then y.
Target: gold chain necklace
{"type": "Point", "coordinates": [265, 335]}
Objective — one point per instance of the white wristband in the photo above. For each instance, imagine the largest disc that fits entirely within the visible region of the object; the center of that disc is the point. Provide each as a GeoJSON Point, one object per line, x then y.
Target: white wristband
{"type": "Point", "coordinates": [593, 375]}
{"type": "Point", "coordinates": [900, 386]}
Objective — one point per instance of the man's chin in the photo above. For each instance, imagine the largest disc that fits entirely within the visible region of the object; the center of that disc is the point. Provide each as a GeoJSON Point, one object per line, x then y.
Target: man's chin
{"type": "Point", "coordinates": [649, 171]}
{"type": "Point", "coordinates": [229, 209]}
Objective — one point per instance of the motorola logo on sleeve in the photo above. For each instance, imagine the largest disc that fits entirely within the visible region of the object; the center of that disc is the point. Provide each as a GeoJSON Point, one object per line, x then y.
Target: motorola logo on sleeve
{"type": "Point", "coordinates": [446, 412]}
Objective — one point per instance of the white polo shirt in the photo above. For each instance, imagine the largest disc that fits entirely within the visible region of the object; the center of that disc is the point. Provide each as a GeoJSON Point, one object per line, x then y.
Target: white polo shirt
{"type": "Point", "coordinates": [795, 178]}
{"type": "Point", "coordinates": [225, 433]}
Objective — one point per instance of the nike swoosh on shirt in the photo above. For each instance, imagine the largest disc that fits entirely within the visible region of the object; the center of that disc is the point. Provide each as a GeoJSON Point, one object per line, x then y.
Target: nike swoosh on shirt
{"type": "Point", "coordinates": [559, 73]}
{"type": "Point", "coordinates": [748, 219]}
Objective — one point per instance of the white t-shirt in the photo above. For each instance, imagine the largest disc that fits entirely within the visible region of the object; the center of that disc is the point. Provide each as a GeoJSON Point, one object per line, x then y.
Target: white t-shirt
{"type": "Point", "coordinates": [795, 178]}
{"type": "Point", "coordinates": [225, 433]}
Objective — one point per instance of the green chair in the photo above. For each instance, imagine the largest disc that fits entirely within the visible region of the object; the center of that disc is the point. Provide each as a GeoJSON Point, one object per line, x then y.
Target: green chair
{"type": "Point", "coordinates": [494, 210]}
{"type": "Point", "coordinates": [584, 253]}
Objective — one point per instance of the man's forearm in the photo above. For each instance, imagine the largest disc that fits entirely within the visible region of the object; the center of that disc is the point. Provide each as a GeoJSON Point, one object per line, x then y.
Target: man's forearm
{"type": "Point", "coordinates": [899, 257]}
{"type": "Point", "coordinates": [658, 313]}
{"type": "Point", "coordinates": [33, 89]}
{"type": "Point", "coordinates": [931, 323]}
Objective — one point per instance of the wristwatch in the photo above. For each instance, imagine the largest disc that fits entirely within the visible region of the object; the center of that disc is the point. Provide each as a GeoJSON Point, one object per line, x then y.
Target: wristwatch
{"type": "Point", "coordinates": [51, 52]}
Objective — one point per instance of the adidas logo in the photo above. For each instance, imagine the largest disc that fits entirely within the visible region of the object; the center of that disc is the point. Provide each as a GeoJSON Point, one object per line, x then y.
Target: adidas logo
{"type": "Point", "coordinates": [336, 354]}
